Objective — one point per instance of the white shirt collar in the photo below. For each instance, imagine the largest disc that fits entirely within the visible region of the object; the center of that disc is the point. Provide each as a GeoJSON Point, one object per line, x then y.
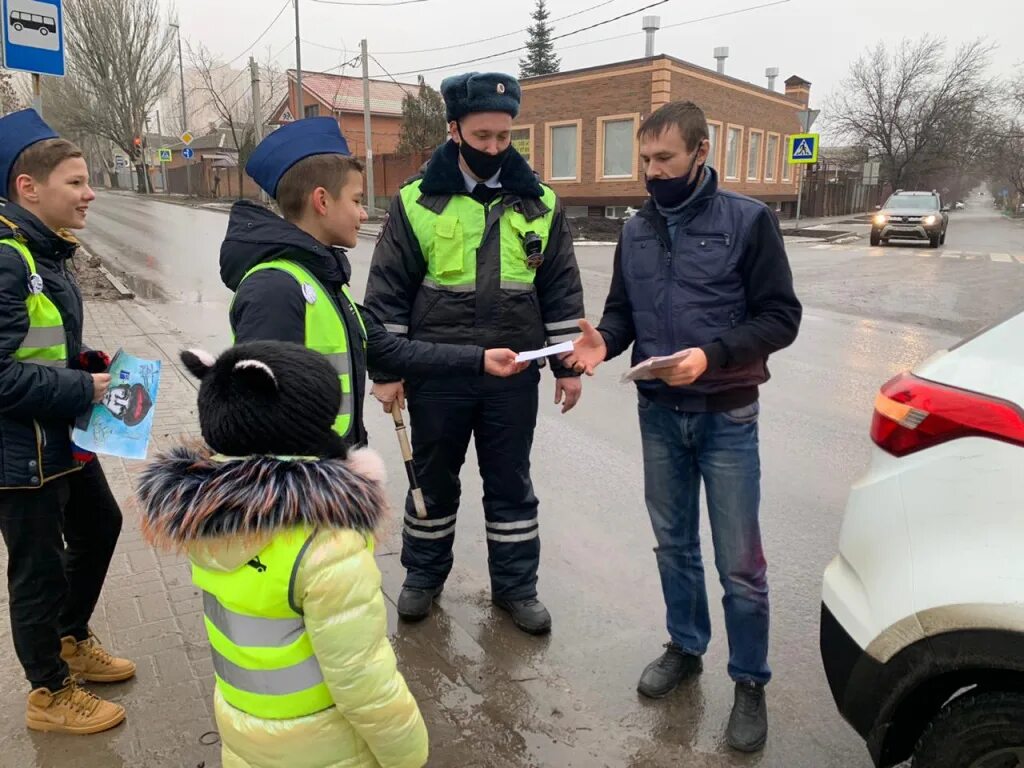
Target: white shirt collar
{"type": "Point", "coordinates": [471, 183]}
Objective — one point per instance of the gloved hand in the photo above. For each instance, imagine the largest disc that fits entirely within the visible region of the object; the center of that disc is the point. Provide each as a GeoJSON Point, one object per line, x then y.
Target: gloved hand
{"type": "Point", "coordinates": [93, 361]}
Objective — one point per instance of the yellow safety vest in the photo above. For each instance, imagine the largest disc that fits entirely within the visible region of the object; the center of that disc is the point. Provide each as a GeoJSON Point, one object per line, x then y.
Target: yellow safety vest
{"type": "Point", "coordinates": [262, 656]}
{"type": "Point", "coordinates": [450, 240]}
{"type": "Point", "coordinates": [325, 331]}
{"type": "Point", "coordinates": [46, 342]}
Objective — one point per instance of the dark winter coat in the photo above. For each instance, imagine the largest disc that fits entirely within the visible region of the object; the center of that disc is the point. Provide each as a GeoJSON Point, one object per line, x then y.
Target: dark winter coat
{"type": "Point", "coordinates": [38, 404]}
{"type": "Point", "coordinates": [490, 316]}
{"type": "Point", "coordinates": [723, 284]}
{"type": "Point", "coordinates": [269, 305]}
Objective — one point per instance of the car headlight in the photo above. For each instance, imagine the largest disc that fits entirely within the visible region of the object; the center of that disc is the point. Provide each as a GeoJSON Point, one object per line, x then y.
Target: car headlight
{"type": "Point", "coordinates": [928, 220]}
{"type": "Point", "coordinates": [880, 219]}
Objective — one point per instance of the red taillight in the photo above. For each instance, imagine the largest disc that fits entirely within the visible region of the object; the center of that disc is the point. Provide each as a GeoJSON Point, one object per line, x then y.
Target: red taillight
{"type": "Point", "coordinates": [912, 414]}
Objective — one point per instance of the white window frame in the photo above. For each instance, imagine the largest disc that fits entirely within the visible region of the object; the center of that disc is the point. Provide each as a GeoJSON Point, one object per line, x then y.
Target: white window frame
{"type": "Point", "coordinates": [716, 148]}
{"type": "Point", "coordinates": [633, 117]}
{"type": "Point", "coordinates": [739, 153]}
{"type": "Point", "coordinates": [787, 169]}
{"type": "Point", "coordinates": [533, 147]}
{"type": "Point", "coordinates": [759, 162]}
{"type": "Point", "coordinates": [549, 151]}
{"type": "Point", "coordinates": [775, 169]}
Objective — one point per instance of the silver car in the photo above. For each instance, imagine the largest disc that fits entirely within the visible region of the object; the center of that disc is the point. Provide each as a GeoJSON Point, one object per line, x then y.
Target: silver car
{"type": "Point", "coordinates": [913, 216]}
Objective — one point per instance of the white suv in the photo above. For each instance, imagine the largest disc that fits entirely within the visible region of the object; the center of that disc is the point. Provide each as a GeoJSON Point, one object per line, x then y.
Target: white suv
{"type": "Point", "coordinates": [922, 619]}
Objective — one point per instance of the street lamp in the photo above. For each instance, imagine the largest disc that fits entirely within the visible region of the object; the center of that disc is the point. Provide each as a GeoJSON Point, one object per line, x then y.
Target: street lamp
{"type": "Point", "coordinates": [184, 112]}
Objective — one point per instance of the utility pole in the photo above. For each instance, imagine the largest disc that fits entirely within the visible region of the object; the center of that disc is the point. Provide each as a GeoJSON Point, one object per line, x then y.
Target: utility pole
{"type": "Point", "coordinates": [257, 109]}
{"type": "Point", "coordinates": [184, 112]}
{"type": "Point", "coordinates": [300, 111]}
{"type": "Point", "coordinates": [371, 202]}
{"type": "Point", "coordinates": [807, 118]}
{"type": "Point", "coordinates": [163, 167]}
{"type": "Point", "coordinates": [37, 93]}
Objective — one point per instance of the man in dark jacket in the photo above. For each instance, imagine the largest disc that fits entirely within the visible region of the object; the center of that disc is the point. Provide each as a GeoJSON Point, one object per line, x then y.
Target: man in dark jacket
{"type": "Point", "coordinates": [477, 250]}
{"type": "Point", "coordinates": [59, 520]}
{"type": "Point", "coordinates": [306, 167]}
{"type": "Point", "coordinates": [700, 276]}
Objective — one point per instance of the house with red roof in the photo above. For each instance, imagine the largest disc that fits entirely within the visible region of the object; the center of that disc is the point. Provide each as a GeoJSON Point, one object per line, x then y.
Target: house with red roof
{"type": "Point", "coordinates": [326, 94]}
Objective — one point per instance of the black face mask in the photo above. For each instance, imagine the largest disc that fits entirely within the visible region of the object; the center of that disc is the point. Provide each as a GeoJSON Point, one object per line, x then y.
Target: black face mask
{"type": "Point", "coordinates": [671, 193]}
{"type": "Point", "coordinates": [481, 164]}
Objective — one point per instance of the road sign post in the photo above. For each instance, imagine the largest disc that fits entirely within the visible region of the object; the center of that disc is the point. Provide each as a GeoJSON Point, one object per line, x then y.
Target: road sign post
{"type": "Point", "coordinates": [33, 40]}
{"type": "Point", "coordinates": [803, 150]}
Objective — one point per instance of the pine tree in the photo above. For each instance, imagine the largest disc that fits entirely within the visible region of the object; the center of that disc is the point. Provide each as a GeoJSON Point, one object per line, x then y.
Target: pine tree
{"type": "Point", "coordinates": [540, 56]}
{"type": "Point", "coordinates": [423, 121]}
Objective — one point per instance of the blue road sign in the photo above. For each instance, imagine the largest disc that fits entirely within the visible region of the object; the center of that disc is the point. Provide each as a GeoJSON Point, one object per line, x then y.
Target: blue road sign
{"type": "Point", "coordinates": [33, 36]}
{"type": "Point", "coordinates": [188, 153]}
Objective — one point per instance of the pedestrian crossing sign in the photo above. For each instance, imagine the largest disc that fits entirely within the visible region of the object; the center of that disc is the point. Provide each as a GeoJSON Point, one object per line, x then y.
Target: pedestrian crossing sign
{"type": "Point", "coordinates": [803, 148]}
{"type": "Point", "coordinates": [164, 154]}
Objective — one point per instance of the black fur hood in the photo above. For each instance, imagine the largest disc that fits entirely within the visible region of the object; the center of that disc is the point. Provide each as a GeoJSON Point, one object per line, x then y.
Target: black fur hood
{"type": "Point", "coordinates": [190, 497]}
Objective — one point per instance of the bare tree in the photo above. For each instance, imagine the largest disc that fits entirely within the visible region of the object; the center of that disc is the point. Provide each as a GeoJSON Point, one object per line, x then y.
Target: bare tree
{"type": "Point", "coordinates": [915, 110]}
{"type": "Point", "coordinates": [119, 64]}
{"type": "Point", "coordinates": [232, 104]}
{"type": "Point", "coordinates": [1006, 159]}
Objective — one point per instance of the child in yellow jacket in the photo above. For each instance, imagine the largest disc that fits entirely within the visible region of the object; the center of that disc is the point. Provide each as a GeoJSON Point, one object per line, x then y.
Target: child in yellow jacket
{"type": "Point", "coordinates": [278, 523]}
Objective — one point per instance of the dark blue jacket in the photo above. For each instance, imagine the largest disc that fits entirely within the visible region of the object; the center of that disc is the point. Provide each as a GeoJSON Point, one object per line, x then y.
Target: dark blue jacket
{"type": "Point", "coordinates": [37, 403]}
{"type": "Point", "coordinates": [724, 286]}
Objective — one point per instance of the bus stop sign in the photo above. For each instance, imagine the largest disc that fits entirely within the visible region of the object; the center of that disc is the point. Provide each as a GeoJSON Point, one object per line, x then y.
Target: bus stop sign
{"type": "Point", "coordinates": [33, 36]}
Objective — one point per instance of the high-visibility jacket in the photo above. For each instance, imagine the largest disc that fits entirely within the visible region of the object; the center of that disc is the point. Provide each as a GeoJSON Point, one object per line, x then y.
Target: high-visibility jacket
{"type": "Point", "coordinates": [325, 332]}
{"type": "Point", "coordinates": [451, 238]}
{"type": "Point", "coordinates": [45, 343]}
{"type": "Point", "coordinates": [451, 267]}
{"type": "Point", "coordinates": [262, 655]}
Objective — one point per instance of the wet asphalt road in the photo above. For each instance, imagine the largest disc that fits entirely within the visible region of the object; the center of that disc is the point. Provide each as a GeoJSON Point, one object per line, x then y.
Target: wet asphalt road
{"type": "Point", "coordinates": [494, 697]}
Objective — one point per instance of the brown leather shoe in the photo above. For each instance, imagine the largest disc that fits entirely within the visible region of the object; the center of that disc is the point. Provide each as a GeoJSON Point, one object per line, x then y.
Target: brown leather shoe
{"type": "Point", "coordinates": [88, 661]}
{"type": "Point", "coordinates": [71, 710]}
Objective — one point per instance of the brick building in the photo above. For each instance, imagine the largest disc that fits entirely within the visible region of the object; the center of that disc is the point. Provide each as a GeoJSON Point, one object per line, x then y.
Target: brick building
{"type": "Point", "coordinates": [578, 130]}
{"type": "Point", "coordinates": [342, 96]}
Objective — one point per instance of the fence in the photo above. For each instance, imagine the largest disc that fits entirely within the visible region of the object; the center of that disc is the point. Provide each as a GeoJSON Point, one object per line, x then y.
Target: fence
{"type": "Point", "coordinates": [833, 191]}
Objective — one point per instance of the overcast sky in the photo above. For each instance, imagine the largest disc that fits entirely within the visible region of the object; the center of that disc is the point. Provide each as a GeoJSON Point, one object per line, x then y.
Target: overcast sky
{"type": "Point", "coordinates": [816, 39]}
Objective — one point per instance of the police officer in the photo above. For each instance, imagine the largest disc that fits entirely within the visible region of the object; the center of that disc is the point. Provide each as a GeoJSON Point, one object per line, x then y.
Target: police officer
{"type": "Point", "coordinates": [477, 250]}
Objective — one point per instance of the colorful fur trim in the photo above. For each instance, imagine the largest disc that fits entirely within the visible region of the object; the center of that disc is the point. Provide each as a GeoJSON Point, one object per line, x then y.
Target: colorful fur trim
{"type": "Point", "coordinates": [186, 496]}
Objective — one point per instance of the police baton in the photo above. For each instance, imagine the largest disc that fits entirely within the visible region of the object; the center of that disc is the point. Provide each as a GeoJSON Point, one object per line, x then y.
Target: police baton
{"type": "Point", "coordinates": [410, 470]}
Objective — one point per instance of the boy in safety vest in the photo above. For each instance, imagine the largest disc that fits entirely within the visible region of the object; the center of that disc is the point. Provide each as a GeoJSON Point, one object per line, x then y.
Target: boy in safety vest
{"type": "Point", "coordinates": [279, 527]}
{"type": "Point", "coordinates": [290, 273]}
{"type": "Point", "coordinates": [59, 520]}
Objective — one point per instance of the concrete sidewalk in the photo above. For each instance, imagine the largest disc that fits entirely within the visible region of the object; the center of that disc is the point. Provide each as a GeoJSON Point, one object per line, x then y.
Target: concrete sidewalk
{"type": "Point", "coordinates": [149, 611]}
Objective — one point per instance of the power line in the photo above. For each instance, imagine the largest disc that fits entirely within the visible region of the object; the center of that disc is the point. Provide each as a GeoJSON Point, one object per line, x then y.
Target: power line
{"type": "Point", "coordinates": [284, 7]}
{"type": "Point", "coordinates": [370, 5]}
{"type": "Point", "coordinates": [523, 47]}
{"type": "Point", "coordinates": [496, 57]}
{"type": "Point", "coordinates": [678, 24]}
{"type": "Point", "coordinates": [400, 85]}
{"type": "Point", "coordinates": [496, 37]}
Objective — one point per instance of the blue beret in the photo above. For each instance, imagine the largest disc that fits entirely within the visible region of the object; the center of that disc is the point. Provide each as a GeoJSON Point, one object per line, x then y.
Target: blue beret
{"type": "Point", "coordinates": [18, 132]}
{"type": "Point", "coordinates": [480, 92]}
{"type": "Point", "coordinates": [290, 143]}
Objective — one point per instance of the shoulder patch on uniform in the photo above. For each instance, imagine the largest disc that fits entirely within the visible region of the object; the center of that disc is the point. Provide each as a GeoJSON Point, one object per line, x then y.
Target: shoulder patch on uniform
{"type": "Point", "coordinates": [309, 293]}
{"type": "Point", "coordinates": [383, 226]}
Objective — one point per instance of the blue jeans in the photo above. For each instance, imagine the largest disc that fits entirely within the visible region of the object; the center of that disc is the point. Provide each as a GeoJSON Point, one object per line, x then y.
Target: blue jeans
{"type": "Point", "coordinates": [722, 448]}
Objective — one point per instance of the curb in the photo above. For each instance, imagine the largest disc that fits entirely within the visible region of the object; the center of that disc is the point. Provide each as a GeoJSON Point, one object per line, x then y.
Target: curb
{"type": "Point", "coordinates": [122, 290]}
{"type": "Point", "coordinates": [117, 284]}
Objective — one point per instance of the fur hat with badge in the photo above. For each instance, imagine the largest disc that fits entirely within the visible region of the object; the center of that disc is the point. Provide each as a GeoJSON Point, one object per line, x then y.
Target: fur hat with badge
{"type": "Point", "coordinates": [272, 459]}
